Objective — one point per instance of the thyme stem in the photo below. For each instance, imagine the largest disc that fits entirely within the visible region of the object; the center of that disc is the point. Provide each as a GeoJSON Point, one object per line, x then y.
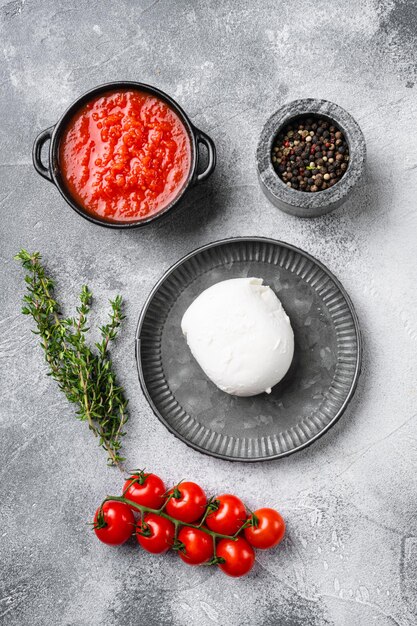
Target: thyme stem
{"type": "Point", "coordinates": [85, 375]}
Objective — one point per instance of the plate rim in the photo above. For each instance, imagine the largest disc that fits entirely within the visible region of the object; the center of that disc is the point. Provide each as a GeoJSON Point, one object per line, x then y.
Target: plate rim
{"type": "Point", "coordinates": [214, 244]}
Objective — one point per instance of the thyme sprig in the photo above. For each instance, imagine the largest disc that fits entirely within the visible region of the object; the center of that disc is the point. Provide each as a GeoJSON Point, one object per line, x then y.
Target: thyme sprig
{"type": "Point", "coordinates": [85, 375]}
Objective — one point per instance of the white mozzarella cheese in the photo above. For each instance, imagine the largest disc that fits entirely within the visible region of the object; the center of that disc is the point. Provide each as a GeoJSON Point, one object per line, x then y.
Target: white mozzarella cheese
{"type": "Point", "coordinates": [240, 335]}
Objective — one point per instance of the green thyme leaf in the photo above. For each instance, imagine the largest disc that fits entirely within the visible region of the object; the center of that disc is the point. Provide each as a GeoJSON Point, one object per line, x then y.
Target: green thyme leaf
{"type": "Point", "coordinates": [85, 376]}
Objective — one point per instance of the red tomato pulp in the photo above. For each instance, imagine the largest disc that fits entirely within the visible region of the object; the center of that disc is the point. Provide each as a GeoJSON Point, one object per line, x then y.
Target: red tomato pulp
{"type": "Point", "coordinates": [125, 155]}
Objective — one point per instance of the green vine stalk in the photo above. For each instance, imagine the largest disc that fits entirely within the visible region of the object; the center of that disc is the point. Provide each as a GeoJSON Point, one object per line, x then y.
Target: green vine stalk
{"type": "Point", "coordinates": [212, 505]}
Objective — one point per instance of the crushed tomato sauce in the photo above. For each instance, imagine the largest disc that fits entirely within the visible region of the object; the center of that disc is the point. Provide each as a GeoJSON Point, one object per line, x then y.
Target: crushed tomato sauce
{"type": "Point", "coordinates": [125, 155]}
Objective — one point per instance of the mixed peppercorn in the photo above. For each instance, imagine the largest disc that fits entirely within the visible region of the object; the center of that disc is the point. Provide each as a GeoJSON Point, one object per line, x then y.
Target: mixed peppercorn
{"type": "Point", "coordinates": [310, 154]}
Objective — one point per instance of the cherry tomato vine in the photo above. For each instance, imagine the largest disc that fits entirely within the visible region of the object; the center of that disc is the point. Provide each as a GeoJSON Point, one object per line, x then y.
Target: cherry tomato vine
{"type": "Point", "coordinates": [215, 531]}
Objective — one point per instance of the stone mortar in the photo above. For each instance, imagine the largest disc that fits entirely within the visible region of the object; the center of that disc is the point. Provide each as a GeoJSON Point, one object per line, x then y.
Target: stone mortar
{"type": "Point", "coordinates": [301, 203]}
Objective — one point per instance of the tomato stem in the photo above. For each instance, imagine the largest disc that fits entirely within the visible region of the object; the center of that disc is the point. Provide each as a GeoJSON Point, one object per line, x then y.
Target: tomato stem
{"type": "Point", "coordinates": [164, 505]}
{"type": "Point", "coordinates": [136, 476]}
{"type": "Point", "coordinates": [146, 509]}
{"type": "Point", "coordinates": [100, 523]}
{"type": "Point", "coordinates": [212, 505]}
{"type": "Point", "coordinates": [176, 493]}
{"type": "Point", "coordinates": [245, 524]}
{"type": "Point", "coordinates": [176, 530]}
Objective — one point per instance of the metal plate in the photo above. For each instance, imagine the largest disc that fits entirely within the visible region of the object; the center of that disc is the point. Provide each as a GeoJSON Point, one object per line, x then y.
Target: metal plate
{"type": "Point", "coordinates": [303, 406]}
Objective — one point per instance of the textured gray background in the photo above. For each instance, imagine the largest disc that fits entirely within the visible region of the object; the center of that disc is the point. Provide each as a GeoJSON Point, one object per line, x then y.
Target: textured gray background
{"type": "Point", "coordinates": [350, 556]}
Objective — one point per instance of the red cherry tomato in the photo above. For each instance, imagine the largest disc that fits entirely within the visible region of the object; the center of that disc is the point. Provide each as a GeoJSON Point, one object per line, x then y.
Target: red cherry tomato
{"type": "Point", "coordinates": [117, 523]}
{"type": "Point", "coordinates": [145, 489]}
{"type": "Point", "coordinates": [188, 502]}
{"type": "Point", "coordinates": [268, 531]}
{"type": "Point", "coordinates": [229, 517]}
{"type": "Point", "coordinates": [158, 534]}
{"type": "Point", "coordinates": [238, 556]}
{"type": "Point", "coordinates": [198, 546]}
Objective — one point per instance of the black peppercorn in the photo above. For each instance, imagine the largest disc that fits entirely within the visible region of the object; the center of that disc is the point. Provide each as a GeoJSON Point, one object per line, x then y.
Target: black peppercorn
{"type": "Point", "coordinates": [304, 154]}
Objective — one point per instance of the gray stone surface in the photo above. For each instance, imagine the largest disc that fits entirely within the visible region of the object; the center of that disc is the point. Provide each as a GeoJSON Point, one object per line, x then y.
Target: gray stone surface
{"type": "Point", "coordinates": [294, 201]}
{"type": "Point", "coordinates": [350, 556]}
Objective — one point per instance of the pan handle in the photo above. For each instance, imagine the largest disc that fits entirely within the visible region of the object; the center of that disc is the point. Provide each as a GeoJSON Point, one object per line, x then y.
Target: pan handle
{"type": "Point", "coordinates": [38, 144]}
{"type": "Point", "coordinates": [202, 138]}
